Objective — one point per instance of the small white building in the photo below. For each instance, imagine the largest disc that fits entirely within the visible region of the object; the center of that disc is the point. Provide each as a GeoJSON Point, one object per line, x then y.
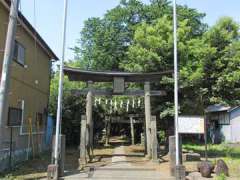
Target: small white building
{"type": "Point", "coordinates": [223, 123]}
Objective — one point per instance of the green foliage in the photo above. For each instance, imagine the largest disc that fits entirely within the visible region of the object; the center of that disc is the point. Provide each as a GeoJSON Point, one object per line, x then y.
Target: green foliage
{"type": "Point", "coordinates": [209, 64]}
{"type": "Point", "coordinates": [72, 107]}
{"type": "Point", "coordinates": [221, 177]}
{"type": "Point", "coordinates": [227, 149]}
{"type": "Point", "coordinates": [227, 152]}
{"type": "Point", "coordinates": [161, 136]}
{"type": "Point", "coordinates": [216, 150]}
{"type": "Point", "coordinates": [222, 70]}
{"type": "Point", "coordinates": [138, 37]}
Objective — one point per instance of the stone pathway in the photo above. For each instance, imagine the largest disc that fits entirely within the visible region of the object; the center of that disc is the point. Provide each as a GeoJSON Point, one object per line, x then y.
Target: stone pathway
{"type": "Point", "coordinates": [120, 169]}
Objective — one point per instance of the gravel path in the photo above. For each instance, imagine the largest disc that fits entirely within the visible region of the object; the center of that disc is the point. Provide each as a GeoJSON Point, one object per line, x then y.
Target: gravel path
{"type": "Point", "coordinates": [120, 169]}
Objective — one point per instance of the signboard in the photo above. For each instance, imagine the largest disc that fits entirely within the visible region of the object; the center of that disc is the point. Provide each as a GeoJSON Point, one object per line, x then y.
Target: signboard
{"type": "Point", "coordinates": [118, 85]}
{"type": "Point", "coordinates": [14, 116]}
{"type": "Point", "coordinates": [191, 124]}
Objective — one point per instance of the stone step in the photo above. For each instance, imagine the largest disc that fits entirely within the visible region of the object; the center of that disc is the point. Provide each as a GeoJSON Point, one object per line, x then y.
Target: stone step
{"type": "Point", "coordinates": [124, 169]}
{"type": "Point", "coordinates": [120, 178]}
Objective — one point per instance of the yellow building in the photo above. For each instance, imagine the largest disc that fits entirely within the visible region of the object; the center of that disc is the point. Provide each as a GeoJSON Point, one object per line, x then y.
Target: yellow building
{"type": "Point", "coordinates": [29, 89]}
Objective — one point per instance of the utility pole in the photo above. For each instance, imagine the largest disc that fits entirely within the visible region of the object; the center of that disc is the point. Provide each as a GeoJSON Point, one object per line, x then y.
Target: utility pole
{"type": "Point", "coordinates": [179, 169]}
{"type": "Point", "coordinates": [176, 82]}
{"type": "Point", "coordinates": [7, 59]}
{"type": "Point", "coordinates": [60, 88]}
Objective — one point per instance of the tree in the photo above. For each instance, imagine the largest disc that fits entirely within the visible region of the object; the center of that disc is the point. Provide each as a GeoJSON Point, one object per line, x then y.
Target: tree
{"type": "Point", "coordinates": [104, 42]}
{"type": "Point", "coordinates": [152, 51]}
{"type": "Point", "coordinates": [222, 71]}
{"type": "Point", "coordinates": [138, 37]}
{"type": "Point", "coordinates": [209, 64]}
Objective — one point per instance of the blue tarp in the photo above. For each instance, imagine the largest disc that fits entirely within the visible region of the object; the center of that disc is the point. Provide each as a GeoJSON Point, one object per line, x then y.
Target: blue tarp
{"type": "Point", "coordinates": [49, 132]}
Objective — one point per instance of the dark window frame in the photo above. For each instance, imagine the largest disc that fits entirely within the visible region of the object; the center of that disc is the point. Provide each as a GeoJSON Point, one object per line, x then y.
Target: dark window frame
{"type": "Point", "coordinates": [41, 123]}
{"type": "Point", "coordinates": [15, 123]}
{"type": "Point", "coordinates": [219, 118]}
{"type": "Point", "coordinates": [226, 118]}
{"type": "Point", "coordinates": [16, 55]}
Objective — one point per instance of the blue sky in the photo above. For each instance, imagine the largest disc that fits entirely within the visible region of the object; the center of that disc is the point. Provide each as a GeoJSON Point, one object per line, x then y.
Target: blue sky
{"type": "Point", "coordinates": [48, 19]}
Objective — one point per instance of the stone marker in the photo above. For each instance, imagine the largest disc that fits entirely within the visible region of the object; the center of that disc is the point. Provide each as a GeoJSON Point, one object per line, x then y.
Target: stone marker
{"type": "Point", "coordinates": [172, 153]}
{"type": "Point", "coordinates": [221, 168]}
{"type": "Point", "coordinates": [61, 160]}
{"type": "Point", "coordinates": [52, 173]}
{"type": "Point", "coordinates": [205, 168]}
{"type": "Point", "coordinates": [180, 172]}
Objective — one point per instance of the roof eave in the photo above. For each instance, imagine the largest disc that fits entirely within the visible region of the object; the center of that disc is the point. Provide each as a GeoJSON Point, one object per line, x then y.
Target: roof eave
{"type": "Point", "coordinates": [76, 74]}
{"type": "Point", "coordinates": [32, 32]}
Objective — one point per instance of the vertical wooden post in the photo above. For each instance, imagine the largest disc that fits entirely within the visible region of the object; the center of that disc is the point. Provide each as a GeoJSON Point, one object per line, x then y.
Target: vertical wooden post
{"type": "Point", "coordinates": [108, 130]}
{"type": "Point", "coordinates": [132, 130]}
{"type": "Point", "coordinates": [205, 137]}
{"type": "Point", "coordinates": [83, 159]}
{"type": "Point", "coordinates": [154, 138]}
{"type": "Point", "coordinates": [147, 116]}
{"type": "Point", "coordinates": [89, 105]}
{"type": "Point", "coordinates": [106, 133]}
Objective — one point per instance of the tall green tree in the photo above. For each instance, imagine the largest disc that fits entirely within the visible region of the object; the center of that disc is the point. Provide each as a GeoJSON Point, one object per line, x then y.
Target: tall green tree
{"type": "Point", "coordinates": [138, 37]}
{"type": "Point", "coordinates": [222, 71]}
{"type": "Point", "coordinates": [105, 41]}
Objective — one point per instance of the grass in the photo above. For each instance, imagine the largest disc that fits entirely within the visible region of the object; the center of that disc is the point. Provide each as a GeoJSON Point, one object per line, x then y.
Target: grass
{"type": "Point", "coordinates": [32, 169]}
{"type": "Point", "coordinates": [230, 153]}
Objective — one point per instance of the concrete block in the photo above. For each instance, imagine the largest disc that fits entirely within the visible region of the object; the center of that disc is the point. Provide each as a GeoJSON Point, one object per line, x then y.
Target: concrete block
{"type": "Point", "coordinates": [191, 157]}
{"type": "Point", "coordinates": [61, 153]}
{"type": "Point", "coordinates": [52, 173]}
{"type": "Point", "coordinates": [180, 172]}
{"type": "Point", "coordinates": [172, 153]}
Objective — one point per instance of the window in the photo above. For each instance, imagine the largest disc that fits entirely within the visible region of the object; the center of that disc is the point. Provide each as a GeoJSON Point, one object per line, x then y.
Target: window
{"type": "Point", "coordinates": [14, 116]}
{"type": "Point", "coordinates": [19, 53]}
{"type": "Point", "coordinates": [224, 118]}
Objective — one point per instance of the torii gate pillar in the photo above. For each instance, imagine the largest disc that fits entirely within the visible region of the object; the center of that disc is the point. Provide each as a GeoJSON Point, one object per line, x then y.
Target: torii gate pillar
{"type": "Point", "coordinates": [89, 109]}
{"type": "Point", "coordinates": [148, 117]}
{"type": "Point", "coordinates": [154, 141]}
{"type": "Point", "coordinates": [82, 147]}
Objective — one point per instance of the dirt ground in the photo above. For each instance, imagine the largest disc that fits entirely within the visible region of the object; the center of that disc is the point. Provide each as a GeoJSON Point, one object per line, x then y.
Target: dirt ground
{"type": "Point", "coordinates": [163, 164]}
{"type": "Point", "coordinates": [36, 169]}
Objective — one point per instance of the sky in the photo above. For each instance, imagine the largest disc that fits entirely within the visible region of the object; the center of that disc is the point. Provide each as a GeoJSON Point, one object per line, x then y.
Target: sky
{"type": "Point", "coordinates": [49, 15]}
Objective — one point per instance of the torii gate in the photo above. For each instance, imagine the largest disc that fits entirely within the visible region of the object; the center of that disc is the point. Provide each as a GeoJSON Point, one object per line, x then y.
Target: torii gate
{"type": "Point", "coordinates": [118, 79]}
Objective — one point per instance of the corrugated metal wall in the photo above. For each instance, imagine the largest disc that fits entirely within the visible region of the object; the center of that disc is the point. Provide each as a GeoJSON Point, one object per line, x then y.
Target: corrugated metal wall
{"type": "Point", "coordinates": [235, 125]}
